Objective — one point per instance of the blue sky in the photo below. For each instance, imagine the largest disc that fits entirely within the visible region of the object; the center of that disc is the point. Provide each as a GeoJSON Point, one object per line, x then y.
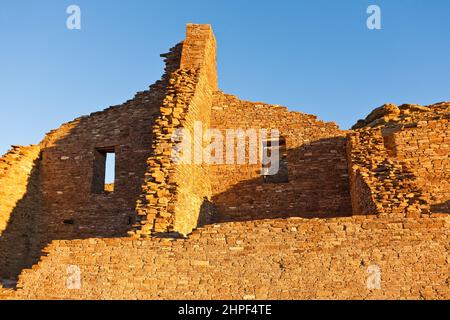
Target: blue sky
{"type": "Point", "coordinates": [313, 56]}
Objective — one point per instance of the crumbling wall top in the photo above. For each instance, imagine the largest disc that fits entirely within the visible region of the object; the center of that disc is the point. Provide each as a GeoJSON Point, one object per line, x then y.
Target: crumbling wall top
{"type": "Point", "coordinates": [199, 51]}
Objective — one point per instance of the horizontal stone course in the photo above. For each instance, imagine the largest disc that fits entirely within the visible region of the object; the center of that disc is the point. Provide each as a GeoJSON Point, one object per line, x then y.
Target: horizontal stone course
{"type": "Point", "coordinates": [268, 259]}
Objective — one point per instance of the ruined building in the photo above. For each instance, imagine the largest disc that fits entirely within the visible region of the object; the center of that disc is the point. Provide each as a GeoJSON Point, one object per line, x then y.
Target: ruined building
{"type": "Point", "coordinates": [342, 204]}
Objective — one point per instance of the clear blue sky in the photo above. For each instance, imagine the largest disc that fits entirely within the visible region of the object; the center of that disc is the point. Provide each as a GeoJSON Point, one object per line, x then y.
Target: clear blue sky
{"type": "Point", "coordinates": [314, 56]}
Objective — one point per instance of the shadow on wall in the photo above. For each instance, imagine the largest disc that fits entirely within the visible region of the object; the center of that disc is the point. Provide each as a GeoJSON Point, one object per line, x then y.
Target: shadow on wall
{"type": "Point", "coordinates": [207, 213]}
{"type": "Point", "coordinates": [317, 187]}
{"type": "Point", "coordinates": [18, 246]}
{"type": "Point", "coordinates": [441, 207]}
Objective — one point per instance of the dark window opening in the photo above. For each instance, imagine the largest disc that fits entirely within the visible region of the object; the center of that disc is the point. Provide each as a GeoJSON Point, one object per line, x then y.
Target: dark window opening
{"type": "Point", "coordinates": [69, 221]}
{"type": "Point", "coordinates": [104, 171]}
{"type": "Point", "coordinates": [274, 161]}
{"type": "Point", "coordinates": [130, 221]}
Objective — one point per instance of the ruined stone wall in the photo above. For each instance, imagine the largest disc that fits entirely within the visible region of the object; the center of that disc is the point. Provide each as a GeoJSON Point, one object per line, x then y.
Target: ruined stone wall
{"type": "Point", "coordinates": [65, 198]}
{"type": "Point", "coordinates": [194, 186]}
{"type": "Point", "coordinates": [272, 259]}
{"type": "Point", "coordinates": [156, 204]}
{"type": "Point", "coordinates": [199, 52]}
{"type": "Point", "coordinates": [68, 163]}
{"type": "Point", "coordinates": [173, 192]}
{"type": "Point", "coordinates": [397, 170]}
{"type": "Point", "coordinates": [426, 149]}
{"type": "Point", "coordinates": [380, 183]}
{"type": "Point", "coordinates": [19, 206]}
{"type": "Point", "coordinates": [72, 208]}
{"type": "Point", "coordinates": [194, 191]}
{"type": "Point", "coordinates": [399, 160]}
{"type": "Point", "coordinates": [317, 165]}
{"type": "Point", "coordinates": [16, 168]}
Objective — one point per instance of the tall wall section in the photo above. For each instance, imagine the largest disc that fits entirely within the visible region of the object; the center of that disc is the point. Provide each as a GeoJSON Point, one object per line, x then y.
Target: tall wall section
{"type": "Point", "coordinates": [19, 207]}
{"type": "Point", "coordinates": [174, 193]}
{"type": "Point", "coordinates": [316, 157]}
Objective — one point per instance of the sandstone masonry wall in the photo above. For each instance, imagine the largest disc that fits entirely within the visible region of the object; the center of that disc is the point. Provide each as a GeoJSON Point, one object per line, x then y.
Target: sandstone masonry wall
{"type": "Point", "coordinates": [391, 172]}
{"type": "Point", "coordinates": [426, 150]}
{"type": "Point", "coordinates": [317, 165]}
{"type": "Point", "coordinates": [6, 294]}
{"type": "Point", "coordinates": [193, 179]}
{"type": "Point", "coordinates": [402, 166]}
{"type": "Point", "coordinates": [19, 205]}
{"type": "Point", "coordinates": [268, 259]}
{"type": "Point", "coordinates": [69, 207]}
{"type": "Point", "coordinates": [199, 52]}
{"type": "Point", "coordinates": [173, 193]}
{"type": "Point", "coordinates": [194, 190]}
{"type": "Point", "coordinates": [156, 205]}
{"type": "Point", "coordinates": [380, 183]}
{"type": "Point", "coordinates": [16, 168]}
{"type": "Point", "coordinates": [68, 170]}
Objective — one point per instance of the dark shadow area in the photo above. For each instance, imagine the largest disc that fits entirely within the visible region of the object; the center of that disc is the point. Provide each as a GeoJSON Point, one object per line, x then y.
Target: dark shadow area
{"type": "Point", "coordinates": [318, 187]}
{"type": "Point", "coordinates": [441, 207]}
{"type": "Point", "coordinates": [19, 247]}
{"type": "Point", "coordinates": [207, 212]}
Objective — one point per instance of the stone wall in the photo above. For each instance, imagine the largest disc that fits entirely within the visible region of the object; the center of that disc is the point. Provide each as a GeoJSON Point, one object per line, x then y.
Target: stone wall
{"type": "Point", "coordinates": [68, 170]}
{"type": "Point", "coordinates": [19, 205]}
{"type": "Point", "coordinates": [317, 165]}
{"type": "Point", "coordinates": [194, 185]}
{"type": "Point", "coordinates": [16, 170]}
{"type": "Point", "coordinates": [380, 183]}
{"type": "Point", "coordinates": [426, 150]}
{"type": "Point", "coordinates": [268, 259]}
{"type": "Point", "coordinates": [399, 160]}
{"type": "Point", "coordinates": [174, 193]}
{"type": "Point", "coordinates": [393, 169]}
{"type": "Point", "coordinates": [199, 52]}
{"type": "Point", "coordinates": [194, 190]}
{"type": "Point", "coordinates": [69, 205]}
{"type": "Point", "coordinates": [156, 205]}
{"type": "Point", "coordinates": [72, 209]}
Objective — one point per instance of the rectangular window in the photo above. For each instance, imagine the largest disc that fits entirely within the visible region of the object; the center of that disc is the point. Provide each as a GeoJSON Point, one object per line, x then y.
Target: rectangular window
{"type": "Point", "coordinates": [275, 165]}
{"type": "Point", "coordinates": [104, 170]}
